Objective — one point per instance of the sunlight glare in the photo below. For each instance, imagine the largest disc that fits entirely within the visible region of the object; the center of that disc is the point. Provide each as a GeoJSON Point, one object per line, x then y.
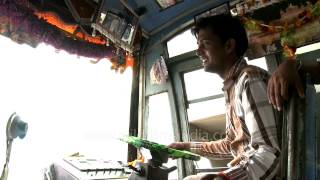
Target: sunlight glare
{"type": "Point", "coordinates": [70, 105]}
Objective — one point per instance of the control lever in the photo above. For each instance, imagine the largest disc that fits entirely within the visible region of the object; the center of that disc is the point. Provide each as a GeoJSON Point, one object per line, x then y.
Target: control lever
{"type": "Point", "coordinates": [169, 170]}
{"type": "Point", "coordinates": [137, 170]}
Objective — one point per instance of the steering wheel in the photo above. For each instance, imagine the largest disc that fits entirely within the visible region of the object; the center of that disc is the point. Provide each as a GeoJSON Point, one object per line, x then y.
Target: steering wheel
{"type": "Point", "coordinates": [153, 146]}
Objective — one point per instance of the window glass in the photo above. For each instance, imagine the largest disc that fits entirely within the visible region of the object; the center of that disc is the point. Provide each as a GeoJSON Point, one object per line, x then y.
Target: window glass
{"type": "Point", "coordinates": [202, 84]}
{"type": "Point", "coordinates": [308, 48]}
{"type": "Point", "coordinates": [206, 109]}
{"type": "Point", "coordinates": [260, 62]}
{"type": "Point", "coordinates": [206, 117]}
{"type": "Point", "coordinates": [317, 86]}
{"type": "Point", "coordinates": [182, 43]}
{"type": "Point", "coordinates": [70, 105]}
{"type": "Point", "coordinates": [159, 127]}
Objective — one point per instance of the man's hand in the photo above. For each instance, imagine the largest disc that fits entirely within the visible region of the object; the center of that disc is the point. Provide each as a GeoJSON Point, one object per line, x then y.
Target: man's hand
{"type": "Point", "coordinates": [285, 76]}
{"type": "Point", "coordinates": [180, 145]}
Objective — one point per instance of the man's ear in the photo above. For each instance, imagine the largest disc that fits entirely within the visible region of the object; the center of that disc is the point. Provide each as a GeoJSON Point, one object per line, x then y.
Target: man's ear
{"type": "Point", "coordinates": [230, 45]}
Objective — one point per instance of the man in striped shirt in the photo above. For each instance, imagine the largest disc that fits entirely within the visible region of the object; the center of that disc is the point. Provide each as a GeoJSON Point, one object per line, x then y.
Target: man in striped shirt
{"type": "Point", "coordinates": [252, 131]}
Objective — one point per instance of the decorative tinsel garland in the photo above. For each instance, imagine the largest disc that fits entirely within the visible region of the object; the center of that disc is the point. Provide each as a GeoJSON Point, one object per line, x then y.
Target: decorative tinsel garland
{"type": "Point", "coordinates": [22, 19]}
{"type": "Point", "coordinates": [288, 33]}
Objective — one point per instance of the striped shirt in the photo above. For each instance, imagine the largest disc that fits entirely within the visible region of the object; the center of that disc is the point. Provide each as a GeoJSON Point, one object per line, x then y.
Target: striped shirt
{"type": "Point", "coordinates": [252, 127]}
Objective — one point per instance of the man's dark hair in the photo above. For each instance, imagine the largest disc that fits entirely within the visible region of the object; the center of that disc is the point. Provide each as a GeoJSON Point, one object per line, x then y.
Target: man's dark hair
{"type": "Point", "coordinates": [225, 27]}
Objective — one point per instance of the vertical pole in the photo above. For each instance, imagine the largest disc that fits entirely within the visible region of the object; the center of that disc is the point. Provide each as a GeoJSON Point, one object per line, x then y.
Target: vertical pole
{"type": "Point", "coordinates": [310, 133]}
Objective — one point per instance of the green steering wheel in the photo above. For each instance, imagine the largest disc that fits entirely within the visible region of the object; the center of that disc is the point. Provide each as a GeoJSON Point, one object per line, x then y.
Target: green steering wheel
{"type": "Point", "coordinates": [152, 146]}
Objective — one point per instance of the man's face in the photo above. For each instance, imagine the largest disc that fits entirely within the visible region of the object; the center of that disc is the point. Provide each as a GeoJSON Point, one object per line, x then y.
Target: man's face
{"type": "Point", "coordinates": [211, 51]}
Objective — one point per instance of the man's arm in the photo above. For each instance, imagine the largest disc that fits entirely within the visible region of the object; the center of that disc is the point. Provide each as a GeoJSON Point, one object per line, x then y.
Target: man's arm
{"type": "Point", "coordinates": [219, 149]}
{"type": "Point", "coordinates": [286, 76]}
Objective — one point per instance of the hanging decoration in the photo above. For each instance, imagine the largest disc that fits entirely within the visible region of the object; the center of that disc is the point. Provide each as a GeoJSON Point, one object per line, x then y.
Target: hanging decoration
{"type": "Point", "coordinates": [16, 35]}
{"type": "Point", "coordinates": [70, 30]}
{"type": "Point", "coordinates": [248, 6]}
{"type": "Point", "coordinates": [298, 27]}
{"type": "Point", "coordinates": [159, 72]}
{"type": "Point", "coordinates": [23, 26]}
{"type": "Point", "coordinates": [120, 62]}
{"type": "Point", "coordinates": [21, 22]}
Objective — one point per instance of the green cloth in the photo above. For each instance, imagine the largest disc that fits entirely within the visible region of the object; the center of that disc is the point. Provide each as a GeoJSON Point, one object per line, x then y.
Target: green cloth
{"type": "Point", "coordinates": [152, 146]}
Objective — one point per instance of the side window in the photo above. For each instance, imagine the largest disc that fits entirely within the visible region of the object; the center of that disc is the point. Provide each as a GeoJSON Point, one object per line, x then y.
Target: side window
{"type": "Point", "coordinates": [203, 95]}
{"type": "Point", "coordinates": [260, 62]}
{"type": "Point", "coordinates": [308, 48]}
{"type": "Point", "coordinates": [159, 126]}
{"type": "Point", "coordinates": [205, 110]}
{"type": "Point", "coordinates": [178, 45]}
